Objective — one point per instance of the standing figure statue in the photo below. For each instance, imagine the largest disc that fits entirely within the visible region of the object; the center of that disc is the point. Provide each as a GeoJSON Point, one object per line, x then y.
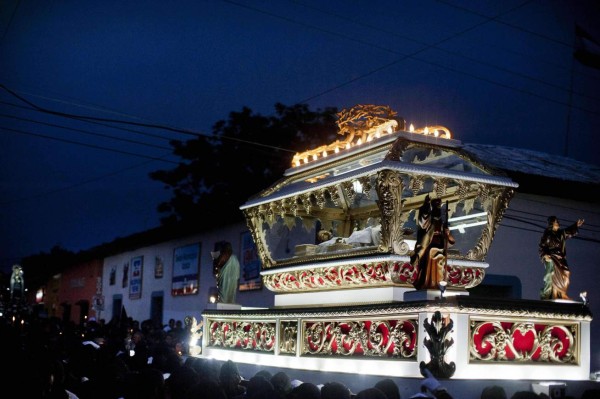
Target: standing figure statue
{"type": "Point", "coordinates": [433, 237]}
{"type": "Point", "coordinates": [17, 283]}
{"type": "Point", "coordinates": [226, 269]}
{"type": "Point", "coordinates": [553, 253]}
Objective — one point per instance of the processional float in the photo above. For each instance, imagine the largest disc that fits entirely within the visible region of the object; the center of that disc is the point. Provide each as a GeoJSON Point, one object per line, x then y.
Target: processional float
{"type": "Point", "coordinates": [335, 237]}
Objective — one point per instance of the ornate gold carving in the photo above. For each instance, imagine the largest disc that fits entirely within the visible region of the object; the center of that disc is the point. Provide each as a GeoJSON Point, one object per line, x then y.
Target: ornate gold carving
{"type": "Point", "coordinates": [360, 124]}
{"type": "Point", "coordinates": [288, 337]}
{"type": "Point", "coordinates": [416, 184]}
{"type": "Point", "coordinates": [368, 338]}
{"type": "Point", "coordinates": [348, 190]}
{"type": "Point", "coordinates": [327, 278]}
{"type": "Point", "coordinates": [247, 335]}
{"type": "Point", "coordinates": [365, 181]}
{"type": "Point", "coordinates": [334, 194]}
{"type": "Point", "coordinates": [439, 187]}
{"type": "Point", "coordinates": [403, 273]}
{"type": "Point", "coordinates": [518, 342]}
{"type": "Point", "coordinates": [253, 221]}
{"type": "Point", "coordinates": [464, 277]}
{"type": "Point", "coordinates": [499, 205]}
{"type": "Point", "coordinates": [320, 198]}
{"type": "Point", "coordinates": [196, 331]}
{"type": "Point", "coordinates": [389, 191]}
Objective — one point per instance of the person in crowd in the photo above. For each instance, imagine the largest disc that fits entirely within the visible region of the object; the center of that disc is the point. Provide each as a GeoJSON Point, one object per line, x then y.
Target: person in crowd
{"type": "Point", "coordinates": [306, 390]}
{"type": "Point", "coordinates": [493, 392]}
{"type": "Point", "coordinates": [389, 388]}
{"type": "Point", "coordinates": [226, 268]}
{"type": "Point", "coordinates": [371, 393]}
{"type": "Point", "coordinates": [169, 326]}
{"type": "Point", "coordinates": [230, 379]}
{"type": "Point", "coordinates": [433, 237]}
{"type": "Point", "coordinates": [180, 381]}
{"type": "Point", "coordinates": [282, 384]}
{"type": "Point", "coordinates": [553, 253]}
{"type": "Point", "coordinates": [259, 387]}
{"type": "Point", "coordinates": [335, 390]}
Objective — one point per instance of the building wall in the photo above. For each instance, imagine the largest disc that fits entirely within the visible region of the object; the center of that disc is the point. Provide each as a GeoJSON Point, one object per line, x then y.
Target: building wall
{"type": "Point", "coordinates": [79, 283]}
{"type": "Point", "coordinates": [176, 307]}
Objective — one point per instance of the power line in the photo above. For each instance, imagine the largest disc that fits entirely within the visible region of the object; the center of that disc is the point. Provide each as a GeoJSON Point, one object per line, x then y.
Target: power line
{"type": "Point", "coordinates": [85, 132]}
{"type": "Point", "coordinates": [87, 145]}
{"type": "Point", "coordinates": [454, 53]}
{"type": "Point", "coordinates": [92, 122]}
{"type": "Point", "coordinates": [142, 124]}
{"type": "Point", "coordinates": [413, 54]}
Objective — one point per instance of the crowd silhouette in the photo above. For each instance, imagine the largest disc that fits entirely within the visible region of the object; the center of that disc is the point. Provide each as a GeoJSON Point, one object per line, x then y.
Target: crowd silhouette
{"type": "Point", "coordinates": [47, 358]}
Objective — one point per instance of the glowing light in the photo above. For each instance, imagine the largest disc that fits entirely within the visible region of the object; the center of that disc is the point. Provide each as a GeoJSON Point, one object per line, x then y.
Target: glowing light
{"type": "Point", "coordinates": [583, 296]}
{"type": "Point", "coordinates": [365, 133]}
{"type": "Point", "coordinates": [357, 186]}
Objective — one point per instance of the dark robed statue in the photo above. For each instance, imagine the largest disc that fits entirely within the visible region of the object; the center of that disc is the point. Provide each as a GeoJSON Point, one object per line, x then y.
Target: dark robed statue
{"type": "Point", "coordinates": [226, 269]}
{"type": "Point", "coordinates": [553, 253]}
{"type": "Point", "coordinates": [433, 237]}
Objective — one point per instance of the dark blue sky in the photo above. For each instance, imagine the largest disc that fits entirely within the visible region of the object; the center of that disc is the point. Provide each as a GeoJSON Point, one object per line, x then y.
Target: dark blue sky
{"type": "Point", "coordinates": [493, 72]}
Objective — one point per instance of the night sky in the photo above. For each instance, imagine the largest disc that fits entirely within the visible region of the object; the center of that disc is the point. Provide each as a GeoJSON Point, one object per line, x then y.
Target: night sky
{"type": "Point", "coordinates": [494, 72]}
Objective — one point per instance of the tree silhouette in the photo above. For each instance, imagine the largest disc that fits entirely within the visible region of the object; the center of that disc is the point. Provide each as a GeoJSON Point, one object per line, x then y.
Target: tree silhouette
{"type": "Point", "coordinates": [245, 154]}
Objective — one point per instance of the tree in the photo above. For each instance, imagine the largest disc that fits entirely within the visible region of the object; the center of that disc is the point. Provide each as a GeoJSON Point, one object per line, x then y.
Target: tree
{"type": "Point", "coordinates": [245, 154]}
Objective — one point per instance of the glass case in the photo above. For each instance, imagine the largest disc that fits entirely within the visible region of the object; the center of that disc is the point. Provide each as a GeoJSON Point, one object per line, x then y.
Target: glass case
{"type": "Point", "coordinates": [367, 202]}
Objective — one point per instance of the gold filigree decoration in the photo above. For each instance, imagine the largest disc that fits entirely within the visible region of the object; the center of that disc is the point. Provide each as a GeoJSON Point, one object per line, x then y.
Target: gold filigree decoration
{"type": "Point", "coordinates": [254, 221]}
{"type": "Point", "coordinates": [389, 191]}
{"type": "Point", "coordinates": [348, 190]}
{"type": "Point", "coordinates": [491, 341]}
{"type": "Point", "coordinates": [196, 330]}
{"type": "Point", "coordinates": [326, 278]}
{"type": "Point", "coordinates": [371, 338]}
{"type": "Point", "coordinates": [439, 187]}
{"type": "Point", "coordinates": [306, 202]}
{"type": "Point", "coordinates": [494, 216]}
{"type": "Point", "coordinates": [246, 335]}
{"type": "Point", "coordinates": [416, 184]}
{"type": "Point", "coordinates": [289, 222]}
{"type": "Point", "coordinates": [320, 198]}
{"type": "Point", "coordinates": [289, 336]}
{"type": "Point", "coordinates": [464, 277]}
{"type": "Point", "coordinates": [360, 124]}
{"type": "Point", "coordinates": [365, 181]}
{"type": "Point", "coordinates": [334, 194]}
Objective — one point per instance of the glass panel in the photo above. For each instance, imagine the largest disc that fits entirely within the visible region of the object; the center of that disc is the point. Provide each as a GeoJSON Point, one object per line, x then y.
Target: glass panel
{"type": "Point", "coordinates": [348, 221]}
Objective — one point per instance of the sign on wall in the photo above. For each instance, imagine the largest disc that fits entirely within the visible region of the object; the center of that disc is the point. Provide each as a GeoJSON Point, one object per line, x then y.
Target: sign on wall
{"type": "Point", "coordinates": [186, 262]}
{"type": "Point", "coordinates": [249, 263]}
{"type": "Point", "coordinates": [135, 281]}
